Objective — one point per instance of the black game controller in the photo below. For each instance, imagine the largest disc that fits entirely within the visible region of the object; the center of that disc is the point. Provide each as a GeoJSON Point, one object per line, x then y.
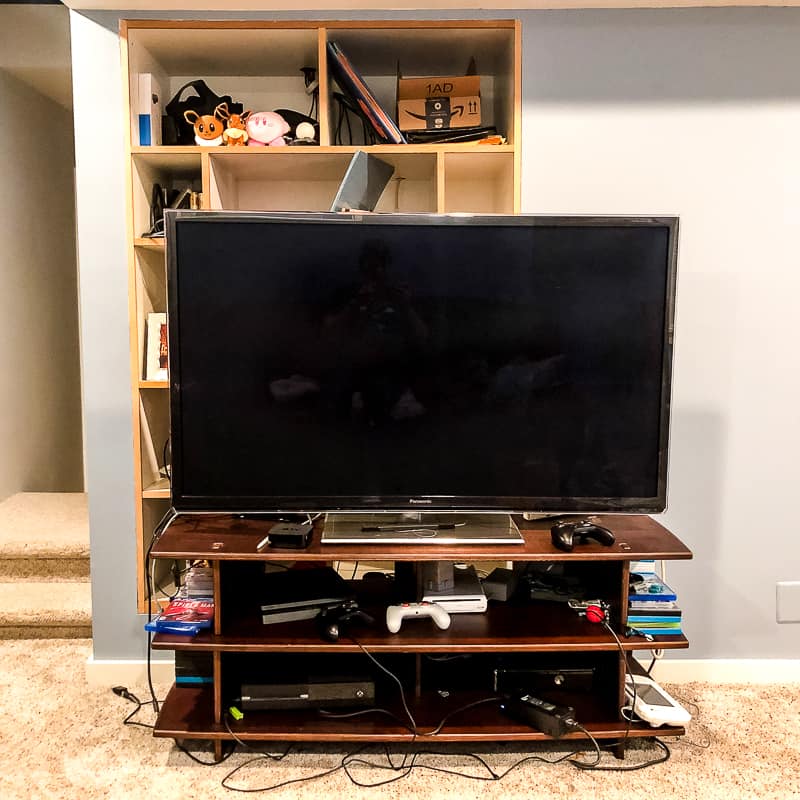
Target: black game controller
{"type": "Point", "coordinates": [332, 621]}
{"type": "Point", "coordinates": [566, 535]}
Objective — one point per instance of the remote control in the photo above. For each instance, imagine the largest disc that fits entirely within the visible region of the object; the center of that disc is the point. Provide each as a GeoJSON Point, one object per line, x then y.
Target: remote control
{"type": "Point", "coordinates": [396, 614]}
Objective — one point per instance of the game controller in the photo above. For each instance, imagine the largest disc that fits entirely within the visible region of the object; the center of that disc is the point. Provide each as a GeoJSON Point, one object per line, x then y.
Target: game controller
{"type": "Point", "coordinates": [333, 621]}
{"type": "Point", "coordinates": [566, 535]}
{"type": "Point", "coordinates": [396, 614]}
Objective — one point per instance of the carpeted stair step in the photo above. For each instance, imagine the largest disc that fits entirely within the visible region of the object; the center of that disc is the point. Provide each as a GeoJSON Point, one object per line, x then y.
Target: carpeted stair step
{"type": "Point", "coordinates": [44, 535]}
{"type": "Point", "coordinates": [45, 610]}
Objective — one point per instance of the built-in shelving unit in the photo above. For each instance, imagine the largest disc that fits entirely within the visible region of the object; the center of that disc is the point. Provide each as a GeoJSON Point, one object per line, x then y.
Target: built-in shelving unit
{"type": "Point", "coordinates": [259, 64]}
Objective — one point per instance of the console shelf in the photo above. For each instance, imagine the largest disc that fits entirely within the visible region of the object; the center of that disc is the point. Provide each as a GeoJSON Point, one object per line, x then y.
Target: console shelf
{"type": "Point", "coordinates": [530, 628]}
{"type": "Point", "coordinates": [187, 713]}
{"type": "Point", "coordinates": [225, 537]}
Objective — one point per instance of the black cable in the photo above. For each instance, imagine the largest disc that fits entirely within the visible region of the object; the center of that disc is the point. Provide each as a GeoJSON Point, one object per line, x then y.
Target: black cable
{"type": "Point", "coordinates": [163, 524]}
{"type": "Point", "coordinates": [633, 767]}
{"type": "Point", "coordinates": [365, 711]}
{"type": "Point", "coordinates": [280, 785]}
{"type": "Point", "coordinates": [122, 691]}
{"type": "Point", "coordinates": [629, 674]}
{"type": "Point", "coordinates": [225, 756]}
{"type": "Point", "coordinates": [438, 728]}
{"type": "Point", "coordinates": [250, 747]}
{"type": "Point", "coordinates": [394, 678]}
{"type": "Point", "coordinates": [167, 469]}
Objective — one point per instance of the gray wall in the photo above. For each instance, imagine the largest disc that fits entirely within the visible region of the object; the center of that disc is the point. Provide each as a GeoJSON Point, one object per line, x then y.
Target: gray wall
{"type": "Point", "coordinates": [40, 401]}
{"type": "Point", "coordinates": [694, 112]}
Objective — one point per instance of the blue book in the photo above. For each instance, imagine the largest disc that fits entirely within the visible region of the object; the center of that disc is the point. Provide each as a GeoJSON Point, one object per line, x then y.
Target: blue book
{"type": "Point", "coordinates": [637, 619]}
{"type": "Point", "coordinates": [659, 631]}
{"type": "Point", "coordinates": [651, 588]}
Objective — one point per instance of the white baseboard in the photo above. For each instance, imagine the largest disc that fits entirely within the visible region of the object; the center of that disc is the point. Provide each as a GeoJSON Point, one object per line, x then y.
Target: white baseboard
{"type": "Point", "coordinates": [727, 670]}
{"type": "Point", "coordinates": [112, 672]}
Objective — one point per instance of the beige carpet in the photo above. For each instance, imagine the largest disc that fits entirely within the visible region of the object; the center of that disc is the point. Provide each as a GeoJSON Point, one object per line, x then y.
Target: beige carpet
{"type": "Point", "coordinates": [44, 566]}
{"type": "Point", "coordinates": [61, 739]}
{"type": "Point", "coordinates": [50, 524]}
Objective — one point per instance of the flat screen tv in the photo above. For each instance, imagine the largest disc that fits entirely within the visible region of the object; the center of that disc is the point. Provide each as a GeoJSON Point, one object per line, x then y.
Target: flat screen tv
{"type": "Point", "coordinates": [348, 362]}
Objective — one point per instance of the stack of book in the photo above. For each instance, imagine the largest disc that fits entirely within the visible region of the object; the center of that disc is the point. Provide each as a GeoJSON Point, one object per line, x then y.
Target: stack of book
{"type": "Point", "coordinates": [652, 605]}
{"type": "Point", "coordinates": [184, 616]}
{"type": "Point", "coordinates": [199, 581]}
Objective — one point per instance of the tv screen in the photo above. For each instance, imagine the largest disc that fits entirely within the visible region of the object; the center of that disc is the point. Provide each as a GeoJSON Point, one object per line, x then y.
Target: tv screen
{"type": "Point", "coordinates": [335, 362]}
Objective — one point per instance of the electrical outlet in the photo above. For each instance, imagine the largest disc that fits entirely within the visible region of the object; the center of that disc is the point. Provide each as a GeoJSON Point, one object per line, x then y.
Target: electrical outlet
{"type": "Point", "coordinates": [787, 601]}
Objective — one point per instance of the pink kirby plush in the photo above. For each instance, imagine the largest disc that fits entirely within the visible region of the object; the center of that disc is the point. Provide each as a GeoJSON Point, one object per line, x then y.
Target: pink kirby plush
{"type": "Point", "coordinates": [266, 129]}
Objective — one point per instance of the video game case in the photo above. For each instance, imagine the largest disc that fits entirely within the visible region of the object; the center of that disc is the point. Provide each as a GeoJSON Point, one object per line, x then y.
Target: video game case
{"type": "Point", "coordinates": [651, 588]}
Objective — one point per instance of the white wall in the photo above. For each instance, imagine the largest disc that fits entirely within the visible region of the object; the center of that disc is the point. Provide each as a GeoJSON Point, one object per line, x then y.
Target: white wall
{"type": "Point", "coordinates": [693, 112]}
{"type": "Point", "coordinates": [40, 405]}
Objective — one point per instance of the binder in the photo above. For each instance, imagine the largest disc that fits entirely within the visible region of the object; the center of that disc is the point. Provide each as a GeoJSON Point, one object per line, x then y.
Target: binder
{"type": "Point", "coordinates": [354, 85]}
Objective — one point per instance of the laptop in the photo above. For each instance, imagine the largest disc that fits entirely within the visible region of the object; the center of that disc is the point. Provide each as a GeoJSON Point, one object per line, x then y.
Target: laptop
{"type": "Point", "coordinates": [363, 183]}
{"type": "Point", "coordinates": [431, 529]}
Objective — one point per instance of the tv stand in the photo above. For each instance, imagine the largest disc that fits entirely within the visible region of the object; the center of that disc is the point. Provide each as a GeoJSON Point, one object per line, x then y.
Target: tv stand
{"type": "Point", "coordinates": [530, 635]}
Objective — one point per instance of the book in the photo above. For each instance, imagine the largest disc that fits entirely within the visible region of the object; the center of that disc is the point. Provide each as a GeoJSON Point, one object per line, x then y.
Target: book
{"type": "Point", "coordinates": [657, 623]}
{"type": "Point", "coordinates": [651, 588]}
{"type": "Point", "coordinates": [659, 631]}
{"type": "Point", "coordinates": [655, 613]}
{"type": "Point", "coordinates": [156, 366]}
{"type": "Point", "coordinates": [148, 104]}
{"type": "Point", "coordinates": [656, 605]}
{"type": "Point", "coordinates": [183, 615]}
{"type": "Point", "coordinates": [354, 85]}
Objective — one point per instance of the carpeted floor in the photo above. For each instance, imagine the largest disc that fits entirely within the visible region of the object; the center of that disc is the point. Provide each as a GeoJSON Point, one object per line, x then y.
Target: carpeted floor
{"type": "Point", "coordinates": [61, 739]}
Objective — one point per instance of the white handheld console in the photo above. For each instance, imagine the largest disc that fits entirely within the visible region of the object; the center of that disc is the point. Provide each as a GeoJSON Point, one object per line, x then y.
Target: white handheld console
{"type": "Point", "coordinates": [653, 704]}
{"type": "Point", "coordinates": [396, 614]}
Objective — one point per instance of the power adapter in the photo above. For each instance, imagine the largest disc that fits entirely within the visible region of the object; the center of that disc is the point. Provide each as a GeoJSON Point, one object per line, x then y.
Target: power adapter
{"type": "Point", "coordinates": [553, 720]}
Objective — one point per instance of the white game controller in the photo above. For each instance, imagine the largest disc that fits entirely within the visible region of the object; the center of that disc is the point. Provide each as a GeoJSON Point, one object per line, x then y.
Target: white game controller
{"type": "Point", "coordinates": [396, 614]}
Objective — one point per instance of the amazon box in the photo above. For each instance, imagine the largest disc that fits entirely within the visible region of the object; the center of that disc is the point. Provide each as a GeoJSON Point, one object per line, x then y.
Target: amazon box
{"type": "Point", "coordinates": [438, 103]}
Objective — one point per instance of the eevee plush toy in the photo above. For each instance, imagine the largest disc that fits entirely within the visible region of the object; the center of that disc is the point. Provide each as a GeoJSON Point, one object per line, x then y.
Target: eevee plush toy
{"type": "Point", "coordinates": [235, 134]}
{"type": "Point", "coordinates": [207, 128]}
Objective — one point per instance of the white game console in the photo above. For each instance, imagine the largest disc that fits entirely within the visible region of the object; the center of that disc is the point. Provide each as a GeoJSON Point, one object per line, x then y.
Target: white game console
{"type": "Point", "coordinates": [653, 704]}
{"type": "Point", "coordinates": [466, 596]}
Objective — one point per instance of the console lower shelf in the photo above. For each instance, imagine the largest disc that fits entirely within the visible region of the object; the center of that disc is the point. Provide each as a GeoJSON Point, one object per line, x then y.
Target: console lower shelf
{"type": "Point", "coordinates": [187, 713]}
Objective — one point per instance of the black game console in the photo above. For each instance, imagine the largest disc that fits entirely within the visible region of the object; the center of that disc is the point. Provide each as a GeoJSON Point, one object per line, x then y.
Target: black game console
{"type": "Point", "coordinates": [511, 680]}
{"type": "Point", "coordinates": [315, 692]}
{"type": "Point", "coordinates": [566, 535]}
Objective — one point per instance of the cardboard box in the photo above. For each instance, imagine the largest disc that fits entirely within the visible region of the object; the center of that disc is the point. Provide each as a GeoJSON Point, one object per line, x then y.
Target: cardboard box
{"type": "Point", "coordinates": [438, 103]}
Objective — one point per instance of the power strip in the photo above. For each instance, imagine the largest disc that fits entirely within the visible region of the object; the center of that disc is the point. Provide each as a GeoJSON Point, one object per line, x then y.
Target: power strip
{"type": "Point", "coordinates": [553, 720]}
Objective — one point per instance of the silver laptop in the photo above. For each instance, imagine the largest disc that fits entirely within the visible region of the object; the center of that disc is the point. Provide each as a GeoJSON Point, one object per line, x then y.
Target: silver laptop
{"type": "Point", "coordinates": [363, 183]}
{"type": "Point", "coordinates": [430, 528]}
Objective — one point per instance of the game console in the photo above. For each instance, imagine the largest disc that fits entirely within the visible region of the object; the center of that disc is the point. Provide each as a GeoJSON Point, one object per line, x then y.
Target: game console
{"type": "Point", "coordinates": [466, 596]}
{"type": "Point", "coordinates": [315, 692]}
{"type": "Point", "coordinates": [653, 704]}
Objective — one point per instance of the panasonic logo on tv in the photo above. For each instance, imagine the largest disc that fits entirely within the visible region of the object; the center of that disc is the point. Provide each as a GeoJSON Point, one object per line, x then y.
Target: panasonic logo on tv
{"type": "Point", "coordinates": [416, 502]}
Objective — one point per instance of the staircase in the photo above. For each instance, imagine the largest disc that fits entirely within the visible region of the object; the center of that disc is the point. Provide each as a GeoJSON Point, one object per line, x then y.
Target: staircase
{"type": "Point", "coordinates": [44, 567]}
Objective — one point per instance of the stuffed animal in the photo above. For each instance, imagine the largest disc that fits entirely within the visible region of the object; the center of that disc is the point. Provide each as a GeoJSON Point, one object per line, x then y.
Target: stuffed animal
{"type": "Point", "coordinates": [207, 128]}
{"type": "Point", "coordinates": [235, 134]}
{"type": "Point", "coordinates": [266, 129]}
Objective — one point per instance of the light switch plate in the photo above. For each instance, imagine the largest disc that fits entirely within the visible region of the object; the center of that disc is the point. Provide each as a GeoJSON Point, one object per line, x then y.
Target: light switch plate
{"type": "Point", "coordinates": [787, 601]}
